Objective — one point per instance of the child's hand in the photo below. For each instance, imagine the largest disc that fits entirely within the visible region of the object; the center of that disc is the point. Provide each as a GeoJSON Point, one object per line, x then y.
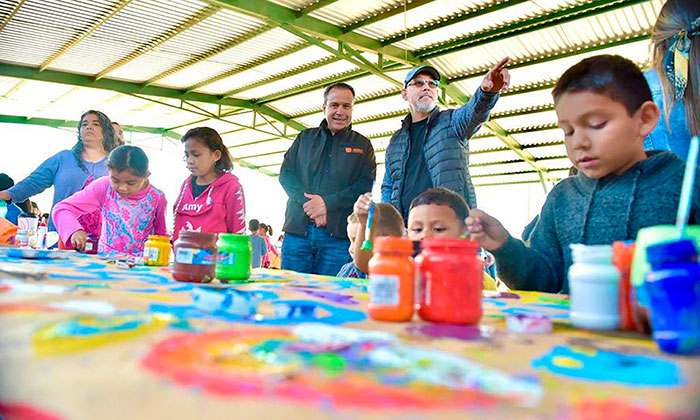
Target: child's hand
{"type": "Point", "coordinates": [361, 207]}
{"type": "Point", "coordinates": [486, 230]}
{"type": "Point", "coordinates": [79, 239]}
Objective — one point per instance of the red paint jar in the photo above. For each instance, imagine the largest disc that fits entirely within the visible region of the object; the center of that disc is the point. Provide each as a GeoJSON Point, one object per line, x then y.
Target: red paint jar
{"type": "Point", "coordinates": [195, 257]}
{"type": "Point", "coordinates": [391, 280]}
{"type": "Point", "coordinates": [451, 281]}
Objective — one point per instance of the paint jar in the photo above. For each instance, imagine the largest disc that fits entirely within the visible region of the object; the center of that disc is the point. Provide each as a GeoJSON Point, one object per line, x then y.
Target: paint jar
{"type": "Point", "coordinates": [391, 280]}
{"type": "Point", "coordinates": [195, 257]}
{"type": "Point", "coordinates": [91, 244]}
{"type": "Point", "coordinates": [451, 281]}
{"type": "Point", "coordinates": [594, 283]}
{"type": "Point", "coordinates": [673, 287]}
{"type": "Point", "coordinates": [156, 250]}
{"type": "Point", "coordinates": [623, 251]}
{"type": "Point", "coordinates": [234, 260]}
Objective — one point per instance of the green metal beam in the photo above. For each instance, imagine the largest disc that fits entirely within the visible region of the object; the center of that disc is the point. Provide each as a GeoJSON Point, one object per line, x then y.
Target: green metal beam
{"type": "Point", "coordinates": [104, 18]}
{"type": "Point", "coordinates": [186, 24]}
{"type": "Point", "coordinates": [398, 9]}
{"type": "Point", "coordinates": [130, 88]}
{"type": "Point", "coordinates": [564, 53]}
{"type": "Point", "coordinates": [12, 14]}
{"type": "Point", "coordinates": [523, 111]}
{"type": "Point", "coordinates": [49, 122]}
{"type": "Point", "coordinates": [280, 15]}
{"type": "Point", "coordinates": [319, 4]}
{"type": "Point", "coordinates": [199, 111]}
{"type": "Point", "coordinates": [322, 83]}
{"type": "Point", "coordinates": [460, 17]}
{"type": "Point", "coordinates": [548, 20]}
{"type": "Point", "coordinates": [255, 63]}
{"type": "Point", "coordinates": [351, 56]}
{"type": "Point", "coordinates": [210, 53]}
{"type": "Point", "coordinates": [287, 73]}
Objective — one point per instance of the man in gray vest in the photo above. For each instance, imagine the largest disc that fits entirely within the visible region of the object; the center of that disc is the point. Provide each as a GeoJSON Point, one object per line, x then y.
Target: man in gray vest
{"type": "Point", "coordinates": [430, 149]}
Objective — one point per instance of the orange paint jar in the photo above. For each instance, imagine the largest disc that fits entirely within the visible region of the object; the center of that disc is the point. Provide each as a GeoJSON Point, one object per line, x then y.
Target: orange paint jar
{"type": "Point", "coordinates": [391, 280]}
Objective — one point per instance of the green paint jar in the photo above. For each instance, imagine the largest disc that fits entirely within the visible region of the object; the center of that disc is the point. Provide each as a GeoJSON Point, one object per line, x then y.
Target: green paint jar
{"type": "Point", "coordinates": [234, 258]}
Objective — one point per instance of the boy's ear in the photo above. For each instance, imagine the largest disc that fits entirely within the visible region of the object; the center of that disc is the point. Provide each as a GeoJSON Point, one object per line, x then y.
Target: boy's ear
{"type": "Point", "coordinates": [649, 114]}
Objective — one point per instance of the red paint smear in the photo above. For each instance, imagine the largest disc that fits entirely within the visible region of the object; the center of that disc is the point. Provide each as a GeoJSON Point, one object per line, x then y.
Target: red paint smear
{"type": "Point", "coordinates": [18, 411]}
{"type": "Point", "coordinates": [25, 307]}
{"type": "Point", "coordinates": [182, 358]}
{"type": "Point", "coordinates": [613, 409]}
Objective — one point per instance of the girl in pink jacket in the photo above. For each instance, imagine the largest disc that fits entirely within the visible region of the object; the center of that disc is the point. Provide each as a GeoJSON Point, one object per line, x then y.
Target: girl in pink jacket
{"type": "Point", "coordinates": [211, 199]}
{"type": "Point", "coordinates": [130, 207]}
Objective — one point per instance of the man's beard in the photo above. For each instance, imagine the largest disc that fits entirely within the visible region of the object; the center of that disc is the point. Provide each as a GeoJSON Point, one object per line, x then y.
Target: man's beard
{"type": "Point", "coordinates": [425, 106]}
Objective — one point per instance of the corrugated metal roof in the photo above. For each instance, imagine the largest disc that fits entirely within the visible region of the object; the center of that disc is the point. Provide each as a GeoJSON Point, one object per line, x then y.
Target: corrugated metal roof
{"type": "Point", "coordinates": [216, 59]}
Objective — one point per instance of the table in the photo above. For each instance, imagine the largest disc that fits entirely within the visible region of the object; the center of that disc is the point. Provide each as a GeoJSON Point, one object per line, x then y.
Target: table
{"type": "Point", "coordinates": [84, 339]}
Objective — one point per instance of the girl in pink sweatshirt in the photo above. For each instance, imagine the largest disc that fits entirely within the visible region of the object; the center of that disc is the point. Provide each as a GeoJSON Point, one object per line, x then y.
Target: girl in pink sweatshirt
{"type": "Point", "coordinates": [211, 199]}
{"type": "Point", "coordinates": [130, 207]}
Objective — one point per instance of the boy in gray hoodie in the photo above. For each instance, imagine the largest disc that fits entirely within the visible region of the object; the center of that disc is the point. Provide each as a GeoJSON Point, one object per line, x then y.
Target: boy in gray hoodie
{"type": "Point", "coordinates": [605, 108]}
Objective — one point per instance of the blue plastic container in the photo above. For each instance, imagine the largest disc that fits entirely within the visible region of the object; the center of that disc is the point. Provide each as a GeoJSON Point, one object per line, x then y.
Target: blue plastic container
{"type": "Point", "coordinates": [673, 287]}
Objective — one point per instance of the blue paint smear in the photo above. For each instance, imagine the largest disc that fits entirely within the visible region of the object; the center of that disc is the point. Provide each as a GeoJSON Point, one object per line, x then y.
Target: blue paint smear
{"type": "Point", "coordinates": [142, 290]}
{"type": "Point", "coordinates": [76, 328]}
{"type": "Point", "coordinates": [548, 306]}
{"type": "Point", "coordinates": [607, 366]}
{"type": "Point", "coordinates": [182, 288]}
{"type": "Point", "coordinates": [287, 312]}
{"type": "Point", "coordinates": [526, 311]}
{"type": "Point", "coordinates": [494, 302]}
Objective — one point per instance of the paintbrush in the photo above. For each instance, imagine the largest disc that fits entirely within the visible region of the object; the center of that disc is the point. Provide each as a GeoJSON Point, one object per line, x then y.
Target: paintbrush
{"type": "Point", "coordinates": [367, 244]}
{"type": "Point", "coordinates": [687, 188]}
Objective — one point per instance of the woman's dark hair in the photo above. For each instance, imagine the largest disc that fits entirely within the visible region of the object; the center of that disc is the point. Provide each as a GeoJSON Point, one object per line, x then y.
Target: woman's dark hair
{"type": "Point", "coordinates": [210, 138]}
{"type": "Point", "coordinates": [129, 157]}
{"type": "Point", "coordinates": [109, 137]}
{"type": "Point", "coordinates": [269, 230]}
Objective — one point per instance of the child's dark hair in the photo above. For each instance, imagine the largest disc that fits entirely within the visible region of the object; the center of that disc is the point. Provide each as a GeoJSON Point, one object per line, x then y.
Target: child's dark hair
{"type": "Point", "coordinates": [254, 225]}
{"type": "Point", "coordinates": [389, 223]}
{"type": "Point", "coordinates": [210, 138]}
{"type": "Point", "coordinates": [610, 75]}
{"type": "Point", "coordinates": [443, 197]}
{"type": "Point", "coordinates": [130, 158]}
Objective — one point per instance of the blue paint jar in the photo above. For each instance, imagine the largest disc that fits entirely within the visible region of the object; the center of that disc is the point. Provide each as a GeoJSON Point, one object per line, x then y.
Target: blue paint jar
{"type": "Point", "coordinates": [673, 287]}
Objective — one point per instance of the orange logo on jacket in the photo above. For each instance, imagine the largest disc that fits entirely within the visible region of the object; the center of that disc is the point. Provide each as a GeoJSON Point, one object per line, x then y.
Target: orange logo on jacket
{"type": "Point", "coordinates": [351, 150]}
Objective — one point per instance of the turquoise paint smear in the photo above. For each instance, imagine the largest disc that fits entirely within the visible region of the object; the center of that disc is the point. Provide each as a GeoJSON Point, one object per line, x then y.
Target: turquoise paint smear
{"type": "Point", "coordinates": [607, 366]}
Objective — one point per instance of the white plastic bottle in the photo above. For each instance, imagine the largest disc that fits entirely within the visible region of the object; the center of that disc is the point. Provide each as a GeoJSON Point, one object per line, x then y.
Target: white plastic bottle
{"type": "Point", "coordinates": [594, 284]}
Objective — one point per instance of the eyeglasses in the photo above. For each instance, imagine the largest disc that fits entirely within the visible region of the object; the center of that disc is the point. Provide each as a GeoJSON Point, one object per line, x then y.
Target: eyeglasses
{"type": "Point", "coordinates": [419, 83]}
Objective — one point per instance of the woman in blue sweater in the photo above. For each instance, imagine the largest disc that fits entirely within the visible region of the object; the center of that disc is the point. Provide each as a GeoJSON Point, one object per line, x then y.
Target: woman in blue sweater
{"type": "Point", "coordinates": [69, 171]}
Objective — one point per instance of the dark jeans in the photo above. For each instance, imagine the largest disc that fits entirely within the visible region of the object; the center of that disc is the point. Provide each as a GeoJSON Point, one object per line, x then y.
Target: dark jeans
{"type": "Point", "coordinates": [317, 253]}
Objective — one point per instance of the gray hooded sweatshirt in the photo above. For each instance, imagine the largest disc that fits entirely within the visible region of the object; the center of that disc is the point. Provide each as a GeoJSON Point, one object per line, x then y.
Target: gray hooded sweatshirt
{"type": "Point", "coordinates": [595, 212]}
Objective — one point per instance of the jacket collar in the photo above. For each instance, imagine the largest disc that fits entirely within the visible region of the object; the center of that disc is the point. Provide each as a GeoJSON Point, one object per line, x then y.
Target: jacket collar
{"type": "Point", "coordinates": [344, 132]}
{"type": "Point", "coordinates": [431, 117]}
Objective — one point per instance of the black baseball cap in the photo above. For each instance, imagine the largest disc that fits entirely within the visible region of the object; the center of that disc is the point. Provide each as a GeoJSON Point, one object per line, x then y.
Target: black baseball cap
{"type": "Point", "coordinates": [421, 69]}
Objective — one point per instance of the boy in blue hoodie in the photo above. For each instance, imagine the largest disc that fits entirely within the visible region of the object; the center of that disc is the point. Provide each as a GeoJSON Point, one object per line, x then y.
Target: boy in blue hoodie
{"type": "Point", "coordinates": [605, 108]}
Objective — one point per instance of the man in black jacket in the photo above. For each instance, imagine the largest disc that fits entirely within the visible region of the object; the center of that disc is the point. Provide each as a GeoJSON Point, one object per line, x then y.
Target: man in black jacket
{"type": "Point", "coordinates": [323, 173]}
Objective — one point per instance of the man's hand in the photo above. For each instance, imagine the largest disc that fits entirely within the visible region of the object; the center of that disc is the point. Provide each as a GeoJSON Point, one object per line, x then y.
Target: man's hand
{"type": "Point", "coordinates": [320, 221]}
{"type": "Point", "coordinates": [361, 207]}
{"type": "Point", "coordinates": [486, 230]}
{"type": "Point", "coordinates": [5, 196]}
{"type": "Point", "coordinates": [497, 78]}
{"type": "Point", "coordinates": [79, 239]}
{"type": "Point", "coordinates": [315, 207]}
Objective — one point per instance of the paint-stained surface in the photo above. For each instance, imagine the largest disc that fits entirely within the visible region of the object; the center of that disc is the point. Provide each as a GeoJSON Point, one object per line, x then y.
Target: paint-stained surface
{"type": "Point", "coordinates": [82, 338]}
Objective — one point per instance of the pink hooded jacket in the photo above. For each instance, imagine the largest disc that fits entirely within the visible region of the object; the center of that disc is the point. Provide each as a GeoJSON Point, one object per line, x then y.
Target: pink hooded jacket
{"type": "Point", "coordinates": [219, 209]}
